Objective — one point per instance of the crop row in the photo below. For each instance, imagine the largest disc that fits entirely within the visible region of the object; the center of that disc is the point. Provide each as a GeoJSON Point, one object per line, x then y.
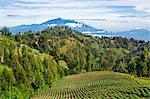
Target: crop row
{"type": "Point", "coordinates": [98, 92]}
{"type": "Point", "coordinates": [97, 85]}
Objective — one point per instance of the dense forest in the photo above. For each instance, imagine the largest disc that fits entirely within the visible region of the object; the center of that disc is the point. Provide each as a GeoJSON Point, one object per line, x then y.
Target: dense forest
{"type": "Point", "coordinates": [31, 62]}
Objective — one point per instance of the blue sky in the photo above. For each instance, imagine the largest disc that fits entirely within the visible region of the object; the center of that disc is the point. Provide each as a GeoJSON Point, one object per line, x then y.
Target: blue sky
{"type": "Point", "coordinates": [113, 15]}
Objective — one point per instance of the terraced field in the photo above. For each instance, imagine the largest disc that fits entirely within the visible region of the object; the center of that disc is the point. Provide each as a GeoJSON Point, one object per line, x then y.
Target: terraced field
{"type": "Point", "coordinates": [98, 85]}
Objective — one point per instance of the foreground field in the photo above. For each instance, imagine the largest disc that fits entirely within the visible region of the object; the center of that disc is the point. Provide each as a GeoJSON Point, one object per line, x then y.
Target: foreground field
{"type": "Point", "coordinates": [98, 85]}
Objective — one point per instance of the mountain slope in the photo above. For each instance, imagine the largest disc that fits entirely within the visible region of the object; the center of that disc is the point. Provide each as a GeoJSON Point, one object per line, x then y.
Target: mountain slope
{"type": "Point", "coordinates": [58, 21]}
{"type": "Point", "coordinates": [24, 28]}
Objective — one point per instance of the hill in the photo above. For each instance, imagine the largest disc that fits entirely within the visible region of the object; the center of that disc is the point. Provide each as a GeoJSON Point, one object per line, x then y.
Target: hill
{"type": "Point", "coordinates": [97, 85]}
{"type": "Point", "coordinates": [31, 62]}
{"type": "Point", "coordinates": [86, 53]}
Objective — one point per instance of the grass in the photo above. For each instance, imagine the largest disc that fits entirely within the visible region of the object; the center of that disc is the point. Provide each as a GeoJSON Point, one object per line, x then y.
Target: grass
{"type": "Point", "coordinates": [98, 85]}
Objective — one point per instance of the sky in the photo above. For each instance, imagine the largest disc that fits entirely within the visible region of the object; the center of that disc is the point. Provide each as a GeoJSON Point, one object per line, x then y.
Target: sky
{"type": "Point", "coordinates": [112, 15]}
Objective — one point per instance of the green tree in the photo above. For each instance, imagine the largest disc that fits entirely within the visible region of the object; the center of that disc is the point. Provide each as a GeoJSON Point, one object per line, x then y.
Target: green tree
{"type": "Point", "coordinates": [5, 31]}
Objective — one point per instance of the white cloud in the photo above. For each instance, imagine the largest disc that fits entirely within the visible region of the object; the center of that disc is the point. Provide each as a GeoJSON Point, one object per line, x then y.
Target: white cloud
{"type": "Point", "coordinates": [36, 11]}
{"type": "Point", "coordinates": [142, 5]}
{"type": "Point", "coordinates": [35, 0]}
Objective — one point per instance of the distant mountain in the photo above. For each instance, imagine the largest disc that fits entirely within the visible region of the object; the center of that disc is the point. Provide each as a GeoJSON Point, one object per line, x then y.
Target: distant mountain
{"type": "Point", "coordinates": [79, 26]}
{"type": "Point", "coordinates": [139, 34]}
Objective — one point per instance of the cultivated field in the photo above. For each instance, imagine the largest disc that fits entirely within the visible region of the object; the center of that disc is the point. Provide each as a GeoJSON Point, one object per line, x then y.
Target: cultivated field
{"type": "Point", "coordinates": [98, 85]}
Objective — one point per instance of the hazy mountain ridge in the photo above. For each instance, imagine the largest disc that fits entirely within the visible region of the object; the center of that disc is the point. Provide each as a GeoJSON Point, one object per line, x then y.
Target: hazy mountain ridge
{"type": "Point", "coordinates": [139, 34]}
{"type": "Point", "coordinates": [79, 26]}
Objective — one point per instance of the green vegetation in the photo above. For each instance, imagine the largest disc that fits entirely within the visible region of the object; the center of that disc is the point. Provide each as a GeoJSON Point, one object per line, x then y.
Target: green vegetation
{"type": "Point", "coordinates": [84, 53]}
{"type": "Point", "coordinates": [100, 84]}
{"type": "Point", "coordinates": [31, 62]}
{"type": "Point", "coordinates": [24, 70]}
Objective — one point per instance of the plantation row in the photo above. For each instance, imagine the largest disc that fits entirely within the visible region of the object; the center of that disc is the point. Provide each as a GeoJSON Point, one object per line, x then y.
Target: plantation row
{"type": "Point", "coordinates": [97, 92]}
{"type": "Point", "coordinates": [96, 85]}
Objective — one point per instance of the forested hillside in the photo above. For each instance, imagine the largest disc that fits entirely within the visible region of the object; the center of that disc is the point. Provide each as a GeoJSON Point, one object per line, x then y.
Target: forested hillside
{"type": "Point", "coordinates": [30, 62]}
{"type": "Point", "coordinates": [86, 53]}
